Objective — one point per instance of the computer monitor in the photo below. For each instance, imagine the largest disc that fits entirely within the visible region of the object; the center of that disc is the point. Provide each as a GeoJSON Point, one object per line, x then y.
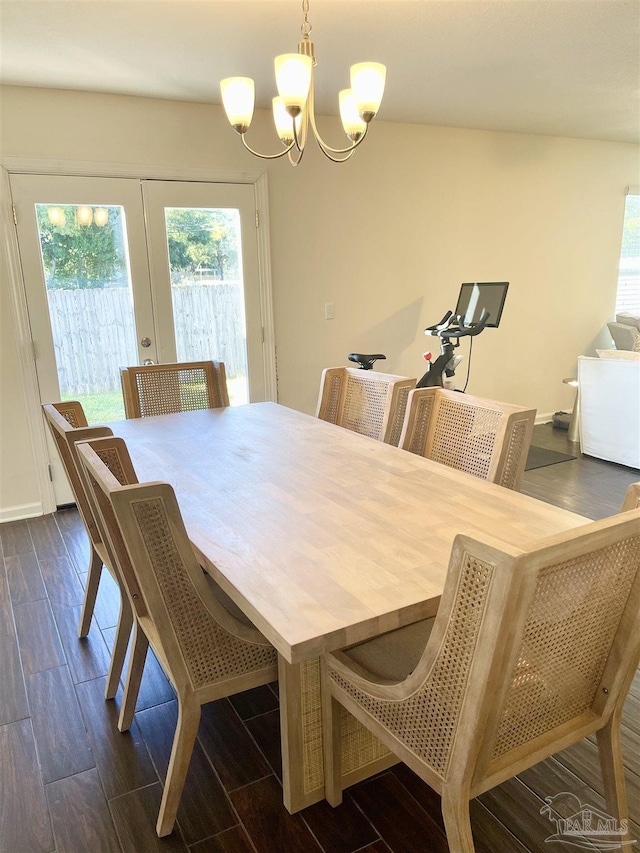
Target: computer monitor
{"type": "Point", "coordinates": [476, 296]}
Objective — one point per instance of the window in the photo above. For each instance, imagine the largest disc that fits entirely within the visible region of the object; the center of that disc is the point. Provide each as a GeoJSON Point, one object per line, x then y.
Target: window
{"type": "Point", "coordinates": [628, 296]}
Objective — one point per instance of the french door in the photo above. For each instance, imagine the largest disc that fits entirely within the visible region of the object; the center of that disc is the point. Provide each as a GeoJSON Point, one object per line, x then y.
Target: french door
{"type": "Point", "coordinates": [123, 271]}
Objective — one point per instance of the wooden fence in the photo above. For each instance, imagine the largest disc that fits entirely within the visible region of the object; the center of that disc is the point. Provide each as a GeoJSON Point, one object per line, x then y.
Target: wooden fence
{"type": "Point", "coordinates": [94, 332]}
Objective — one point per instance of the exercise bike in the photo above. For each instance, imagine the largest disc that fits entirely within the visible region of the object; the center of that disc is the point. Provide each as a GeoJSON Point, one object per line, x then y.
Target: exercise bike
{"type": "Point", "coordinates": [481, 304]}
{"type": "Point", "coordinates": [449, 331]}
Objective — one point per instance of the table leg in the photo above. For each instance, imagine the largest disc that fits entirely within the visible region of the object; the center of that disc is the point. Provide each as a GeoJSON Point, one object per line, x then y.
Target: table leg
{"type": "Point", "coordinates": [301, 738]}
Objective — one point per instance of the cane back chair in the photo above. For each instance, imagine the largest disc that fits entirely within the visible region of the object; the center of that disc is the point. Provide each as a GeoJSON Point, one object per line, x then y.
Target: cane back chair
{"type": "Point", "coordinates": [529, 653]}
{"type": "Point", "coordinates": [161, 389]}
{"type": "Point", "coordinates": [482, 437]}
{"type": "Point", "coordinates": [632, 497]}
{"type": "Point", "coordinates": [205, 651]}
{"type": "Point", "coordinates": [364, 401]}
{"type": "Point", "coordinates": [68, 426]}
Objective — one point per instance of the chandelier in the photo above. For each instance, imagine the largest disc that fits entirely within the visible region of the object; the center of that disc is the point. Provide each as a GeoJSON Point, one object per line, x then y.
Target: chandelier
{"type": "Point", "coordinates": [293, 109]}
{"type": "Point", "coordinates": [84, 216]}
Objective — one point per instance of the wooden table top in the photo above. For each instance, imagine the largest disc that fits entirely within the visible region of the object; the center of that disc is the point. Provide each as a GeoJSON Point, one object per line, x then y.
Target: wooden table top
{"type": "Point", "coordinates": [322, 536]}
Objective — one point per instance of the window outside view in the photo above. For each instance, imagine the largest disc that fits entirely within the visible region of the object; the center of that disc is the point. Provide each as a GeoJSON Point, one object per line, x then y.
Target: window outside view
{"type": "Point", "coordinates": [628, 296]}
{"type": "Point", "coordinates": [86, 273]}
{"type": "Point", "coordinates": [88, 283]}
{"type": "Point", "coordinates": [207, 291]}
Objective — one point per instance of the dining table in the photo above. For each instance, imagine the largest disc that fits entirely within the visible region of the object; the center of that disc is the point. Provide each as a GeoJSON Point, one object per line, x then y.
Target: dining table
{"type": "Point", "coordinates": [323, 538]}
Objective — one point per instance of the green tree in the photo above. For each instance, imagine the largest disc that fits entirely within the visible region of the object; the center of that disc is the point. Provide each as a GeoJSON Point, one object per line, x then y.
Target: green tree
{"type": "Point", "coordinates": [201, 239]}
{"type": "Point", "coordinates": [81, 256]}
{"type": "Point", "coordinates": [631, 230]}
{"type": "Point", "coordinates": [89, 256]}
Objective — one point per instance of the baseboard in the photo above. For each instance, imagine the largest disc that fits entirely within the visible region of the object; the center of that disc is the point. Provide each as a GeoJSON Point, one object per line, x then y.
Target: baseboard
{"type": "Point", "coordinates": [15, 513]}
{"type": "Point", "coordinates": [544, 418]}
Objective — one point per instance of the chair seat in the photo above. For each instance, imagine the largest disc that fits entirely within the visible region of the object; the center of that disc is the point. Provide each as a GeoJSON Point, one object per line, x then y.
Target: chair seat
{"type": "Point", "coordinates": [392, 656]}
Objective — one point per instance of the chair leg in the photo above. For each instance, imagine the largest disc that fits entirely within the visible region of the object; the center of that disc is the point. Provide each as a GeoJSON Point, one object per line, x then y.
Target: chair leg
{"type": "Point", "coordinates": [139, 648]}
{"type": "Point", "coordinates": [611, 764]}
{"type": "Point", "coordinates": [90, 593]}
{"type": "Point", "coordinates": [121, 642]}
{"type": "Point", "coordinates": [457, 821]}
{"type": "Point", "coordinates": [331, 739]}
{"type": "Point", "coordinates": [183, 741]}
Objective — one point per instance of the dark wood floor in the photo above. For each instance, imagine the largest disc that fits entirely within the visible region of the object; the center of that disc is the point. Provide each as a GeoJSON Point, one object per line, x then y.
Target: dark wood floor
{"type": "Point", "coordinates": [70, 782]}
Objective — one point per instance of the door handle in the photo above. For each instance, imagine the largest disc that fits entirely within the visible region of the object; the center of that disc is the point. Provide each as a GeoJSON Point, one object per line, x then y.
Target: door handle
{"type": "Point", "coordinates": [145, 342]}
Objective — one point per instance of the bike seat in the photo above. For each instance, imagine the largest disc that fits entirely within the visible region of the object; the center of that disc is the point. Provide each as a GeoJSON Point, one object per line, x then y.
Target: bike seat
{"type": "Point", "coordinates": [365, 361]}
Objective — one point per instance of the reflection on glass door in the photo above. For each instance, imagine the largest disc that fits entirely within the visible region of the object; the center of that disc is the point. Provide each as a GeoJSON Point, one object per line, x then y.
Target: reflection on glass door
{"type": "Point", "coordinates": [207, 293]}
{"type": "Point", "coordinates": [88, 282]}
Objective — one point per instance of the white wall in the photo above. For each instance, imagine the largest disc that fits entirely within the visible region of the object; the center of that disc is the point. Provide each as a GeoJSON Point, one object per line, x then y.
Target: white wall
{"type": "Point", "coordinates": [387, 237]}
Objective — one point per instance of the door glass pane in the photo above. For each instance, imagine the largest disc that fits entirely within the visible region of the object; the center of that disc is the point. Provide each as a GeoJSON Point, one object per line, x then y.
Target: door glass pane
{"type": "Point", "coordinates": [207, 290]}
{"type": "Point", "coordinates": [86, 272]}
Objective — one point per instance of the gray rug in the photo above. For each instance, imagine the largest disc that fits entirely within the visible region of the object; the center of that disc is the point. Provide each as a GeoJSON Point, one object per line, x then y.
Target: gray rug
{"type": "Point", "coordinates": [540, 457]}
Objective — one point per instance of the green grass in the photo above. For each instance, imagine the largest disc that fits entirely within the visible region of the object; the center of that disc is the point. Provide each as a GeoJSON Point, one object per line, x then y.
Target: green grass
{"type": "Point", "coordinates": [100, 408]}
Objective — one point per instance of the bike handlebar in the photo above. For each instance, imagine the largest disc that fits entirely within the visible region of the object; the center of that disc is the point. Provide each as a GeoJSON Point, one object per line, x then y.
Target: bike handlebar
{"type": "Point", "coordinates": [443, 324]}
{"type": "Point", "coordinates": [446, 329]}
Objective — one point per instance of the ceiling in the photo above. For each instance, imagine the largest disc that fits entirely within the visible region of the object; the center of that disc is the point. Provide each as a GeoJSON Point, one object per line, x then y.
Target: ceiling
{"type": "Point", "coordinates": [556, 67]}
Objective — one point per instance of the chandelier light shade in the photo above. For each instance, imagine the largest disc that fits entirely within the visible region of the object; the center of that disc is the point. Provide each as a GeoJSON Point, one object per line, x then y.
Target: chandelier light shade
{"type": "Point", "coordinates": [354, 126]}
{"type": "Point", "coordinates": [101, 216]}
{"type": "Point", "coordinates": [56, 216]}
{"type": "Point", "coordinates": [293, 79]}
{"type": "Point", "coordinates": [283, 123]}
{"type": "Point", "coordinates": [84, 215]}
{"type": "Point", "coordinates": [293, 109]}
{"type": "Point", "coordinates": [367, 84]}
{"type": "Point", "coordinates": [238, 97]}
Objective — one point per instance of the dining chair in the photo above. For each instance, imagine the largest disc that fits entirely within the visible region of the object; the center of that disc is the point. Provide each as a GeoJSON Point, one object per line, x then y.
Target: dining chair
{"type": "Point", "coordinates": [112, 452]}
{"type": "Point", "coordinates": [364, 401]}
{"type": "Point", "coordinates": [631, 498]}
{"type": "Point", "coordinates": [529, 652]}
{"type": "Point", "coordinates": [482, 437]}
{"type": "Point", "coordinates": [161, 389]}
{"type": "Point", "coordinates": [68, 426]}
{"type": "Point", "coordinates": [205, 651]}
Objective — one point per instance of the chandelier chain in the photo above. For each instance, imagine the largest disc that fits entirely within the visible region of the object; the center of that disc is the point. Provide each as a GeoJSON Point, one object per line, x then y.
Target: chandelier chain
{"type": "Point", "coordinates": [305, 29]}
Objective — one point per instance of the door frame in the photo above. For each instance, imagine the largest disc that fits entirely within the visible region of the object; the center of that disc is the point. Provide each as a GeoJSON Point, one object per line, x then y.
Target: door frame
{"type": "Point", "coordinates": [17, 295]}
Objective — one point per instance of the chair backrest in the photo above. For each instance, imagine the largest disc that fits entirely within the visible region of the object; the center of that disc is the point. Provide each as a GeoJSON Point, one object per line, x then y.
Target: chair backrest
{"type": "Point", "coordinates": [527, 649]}
{"type": "Point", "coordinates": [485, 438]}
{"type": "Point", "coordinates": [186, 625]}
{"type": "Point", "coordinates": [577, 643]}
{"type": "Point", "coordinates": [72, 412]}
{"type": "Point", "coordinates": [632, 498]}
{"type": "Point", "coordinates": [68, 425]}
{"type": "Point", "coordinates": [107, 460]}
{"type": "Point", "coordinates": [161, 389]}
{"type": "Point", "coordinates": [364, 401]}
